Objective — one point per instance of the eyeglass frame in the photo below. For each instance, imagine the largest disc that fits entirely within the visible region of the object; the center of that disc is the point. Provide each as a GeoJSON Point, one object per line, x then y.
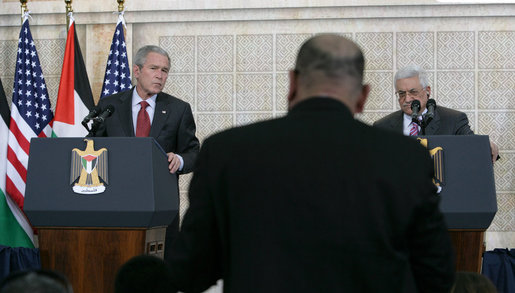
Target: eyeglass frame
{"type": "Point", "coordinates": [410, 92]}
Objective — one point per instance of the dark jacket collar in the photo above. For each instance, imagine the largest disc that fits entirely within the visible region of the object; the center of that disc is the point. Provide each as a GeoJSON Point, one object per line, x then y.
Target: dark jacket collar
{"type": "Point", "coordinates": [320, 104]}
{"type": "Point", "coordinates": [434, 125]}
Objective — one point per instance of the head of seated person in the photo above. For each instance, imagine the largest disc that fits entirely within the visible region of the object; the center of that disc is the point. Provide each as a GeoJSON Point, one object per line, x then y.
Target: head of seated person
{"type": "Point", "coordinates": [143, 273]}
{"type": "Point", "coordinates": [36, 281]}
{"type": "Point", "coordinates": [470, 282]}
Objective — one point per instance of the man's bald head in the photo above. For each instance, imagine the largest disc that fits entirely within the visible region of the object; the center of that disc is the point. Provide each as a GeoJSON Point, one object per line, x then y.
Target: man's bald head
{"type": "Point", "coordinates": [331, 57]}
{"type": "Point", "coordinates": [332, 66]}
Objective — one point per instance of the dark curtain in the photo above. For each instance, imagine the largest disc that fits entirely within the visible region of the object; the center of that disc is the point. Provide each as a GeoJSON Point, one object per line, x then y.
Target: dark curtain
{"type": "Point", "coordinates": [499, 266]}
{"type": "Point", "coordinates": [14, 259]}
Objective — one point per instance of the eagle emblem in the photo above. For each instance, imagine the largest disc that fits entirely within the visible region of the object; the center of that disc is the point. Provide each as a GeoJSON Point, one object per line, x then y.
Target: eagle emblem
{"type": "Point", "coordinates": [87, 168]}
{"type": "Point", "coordinates": [437, 156]}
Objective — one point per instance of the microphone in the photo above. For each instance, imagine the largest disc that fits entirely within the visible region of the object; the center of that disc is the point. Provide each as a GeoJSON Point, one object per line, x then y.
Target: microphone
{"type": "Point", "coordinates": [92, 114]}
{"type": "Point", "coordinates": [109, 110]}
{"type": "Point", "coordinates": [431, 107]}
{"type": "Point", "coordinates": [415, 107]}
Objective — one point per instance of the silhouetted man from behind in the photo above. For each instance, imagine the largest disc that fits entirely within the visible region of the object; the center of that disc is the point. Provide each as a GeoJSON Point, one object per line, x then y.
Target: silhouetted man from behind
{"type": "Point", "coordinates": [314, 201]}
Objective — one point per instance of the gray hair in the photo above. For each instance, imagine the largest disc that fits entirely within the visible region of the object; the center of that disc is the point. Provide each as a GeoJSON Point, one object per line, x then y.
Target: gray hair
{"type": "Point", "coordinates": [411, 71]}
{"type": "Point", "coordinates": [141, 55]}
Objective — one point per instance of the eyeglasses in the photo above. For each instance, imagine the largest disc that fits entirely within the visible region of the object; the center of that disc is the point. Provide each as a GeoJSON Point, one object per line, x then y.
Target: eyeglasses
{"type": "Point", "coordinates": [411, 92]}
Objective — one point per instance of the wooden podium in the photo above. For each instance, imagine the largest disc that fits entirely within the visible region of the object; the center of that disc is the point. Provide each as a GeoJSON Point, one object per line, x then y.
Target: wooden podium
{"type": "Point", "coordinates": [468, 198]}
{"type": "Point", "coordinates": [89, 236]}
{"type": "Point", "coordinates": [469, 247]}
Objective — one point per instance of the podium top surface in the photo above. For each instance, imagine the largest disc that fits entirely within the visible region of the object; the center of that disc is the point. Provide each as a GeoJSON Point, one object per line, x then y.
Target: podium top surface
{"type": "Point", "coordinates": [468, 197]}
{"type": "Point", "coordinates": [140, 191]}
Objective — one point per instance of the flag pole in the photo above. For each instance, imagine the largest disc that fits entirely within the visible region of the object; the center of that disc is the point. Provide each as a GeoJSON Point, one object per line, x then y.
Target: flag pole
{"type": "Point", "coordinates": [117, 76]}
{"type": "Point", "coordinates": [121, 10]}
{"type": "Point", "coordinates": [23, 9]}
{"type": "Point", "coordinates": [68, 10]}
{"type": "Point", "coordinates": [120, 5]}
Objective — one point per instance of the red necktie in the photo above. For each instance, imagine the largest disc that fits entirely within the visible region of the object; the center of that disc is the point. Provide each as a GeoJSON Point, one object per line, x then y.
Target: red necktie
{"type": "Point", "coordinates": [143, 123]}
{"type": "Point", "coordinates": [414, 129]}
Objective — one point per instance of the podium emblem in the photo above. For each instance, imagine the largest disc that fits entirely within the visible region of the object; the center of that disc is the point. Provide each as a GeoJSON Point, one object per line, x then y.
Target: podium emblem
{"type": "Point", "coordinates": [437, 156]}
{"type": "Point", "coordinates": [87, 168]}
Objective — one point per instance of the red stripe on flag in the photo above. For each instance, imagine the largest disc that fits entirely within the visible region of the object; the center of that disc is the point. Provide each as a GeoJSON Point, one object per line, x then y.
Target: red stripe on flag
{"type": "Point", "coordinates": [42, 134]}
{"type": "Point", "coordinates": [22, 141]}
{"type": "Point", "coordinates": [22, 170]}
{"type": "Point", "coordinates": [13, 192]}
{"type": "Point", "coordinates": [64, 109]}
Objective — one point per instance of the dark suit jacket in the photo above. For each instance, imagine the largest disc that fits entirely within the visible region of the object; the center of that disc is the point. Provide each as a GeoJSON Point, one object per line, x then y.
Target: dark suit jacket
{"type": "Point", "coordinates": [445, 122]}
{"type": "Point", "coordinates": [173, 126]}
{"type": "Point", "coordinates": [313, 202]}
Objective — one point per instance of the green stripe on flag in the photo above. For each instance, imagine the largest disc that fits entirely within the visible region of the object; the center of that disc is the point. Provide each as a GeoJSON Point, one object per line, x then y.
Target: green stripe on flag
{"type": "Point", "coordinates": [11, 233]}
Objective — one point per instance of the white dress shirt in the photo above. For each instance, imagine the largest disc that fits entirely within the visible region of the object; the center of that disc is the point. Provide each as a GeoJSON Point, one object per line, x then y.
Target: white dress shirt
{"type": "Point", "coordinates": [136, 99]}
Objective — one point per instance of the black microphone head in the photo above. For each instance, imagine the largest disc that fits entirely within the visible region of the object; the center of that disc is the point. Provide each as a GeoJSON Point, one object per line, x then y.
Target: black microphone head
{"type": "Point", "coordinates": [431, 103]}
{"type": "Point", "coordinates": [431, 106]}
{"type": "Point", "coordinates": [108, 111]}
{"type": "Point", "coordinates": [415, 107]}
{"type": "Point", "coordinates": [92, 114]}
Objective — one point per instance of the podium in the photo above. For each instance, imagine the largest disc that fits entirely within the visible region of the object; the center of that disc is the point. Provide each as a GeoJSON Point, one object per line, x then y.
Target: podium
{"type": "Point", "coordinates": [468, 198]}
{"type": "Point", "coordinates": [88, 236]}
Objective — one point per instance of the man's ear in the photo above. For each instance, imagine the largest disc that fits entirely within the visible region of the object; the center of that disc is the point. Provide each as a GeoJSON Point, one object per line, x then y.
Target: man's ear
{"type": "Point", "coordinates": [362, 98]}
{"type": "Point", "coordinates": [135, 71]}
{"type": "Point", "coordinates": [292, 91]}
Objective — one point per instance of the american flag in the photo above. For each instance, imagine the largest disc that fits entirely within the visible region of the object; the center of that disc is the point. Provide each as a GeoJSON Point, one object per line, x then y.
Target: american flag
{"type": "Point", "coordinates": [30, 113]}
{"type": "Point", "coordinates": [118, 76]}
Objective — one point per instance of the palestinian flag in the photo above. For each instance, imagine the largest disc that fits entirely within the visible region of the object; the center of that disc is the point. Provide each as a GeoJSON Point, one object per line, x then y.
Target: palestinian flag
{"type": "Point", "coordinates": [75, 98]}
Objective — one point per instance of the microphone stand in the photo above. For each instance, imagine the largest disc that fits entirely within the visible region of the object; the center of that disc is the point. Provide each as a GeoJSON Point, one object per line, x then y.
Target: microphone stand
{"type": "Point", "coordinates": [425, 121]}
{"type": "Point", "coordinates": [85, 124]}
{"type": "Point", "coordinates": [423, 126]}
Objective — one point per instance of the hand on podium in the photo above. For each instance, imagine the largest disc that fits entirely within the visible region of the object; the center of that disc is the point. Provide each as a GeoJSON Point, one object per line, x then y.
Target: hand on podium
{"type": "Point", "coordinates": [495, 151]}
{"type": "Point", "coordinates": [175, 162]}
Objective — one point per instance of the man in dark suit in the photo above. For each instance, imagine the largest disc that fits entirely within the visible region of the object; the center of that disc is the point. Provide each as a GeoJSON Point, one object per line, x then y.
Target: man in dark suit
{"type": "Point", "coordinates": [146, 111]}
{"type": "Point", "coordinates": [411, 83]}
{"type": "Point", "coordinates": [314, 201]}
{"type": "Point", "coordinates": [171, 119]}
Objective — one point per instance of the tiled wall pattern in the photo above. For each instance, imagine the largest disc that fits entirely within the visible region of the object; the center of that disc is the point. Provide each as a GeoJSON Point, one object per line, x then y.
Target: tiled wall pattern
{"type": "Point", "coordinates": [237, 76]}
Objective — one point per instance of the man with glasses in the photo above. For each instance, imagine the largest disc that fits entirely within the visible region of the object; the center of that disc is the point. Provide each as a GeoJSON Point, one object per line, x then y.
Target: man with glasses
{"type": "Point", "coordinates": [411, 84]}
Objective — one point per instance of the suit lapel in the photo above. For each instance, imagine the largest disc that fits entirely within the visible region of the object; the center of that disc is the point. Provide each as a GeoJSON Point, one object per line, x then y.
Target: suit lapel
{"type": "Point", "coordinates": [433, 126]}
{"type": "Point", "coordinates": [125, 113]}
{"type": "Point", "coordinates": [397, 124]}
{"type": "Point", "coordinates": [160, 115]}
